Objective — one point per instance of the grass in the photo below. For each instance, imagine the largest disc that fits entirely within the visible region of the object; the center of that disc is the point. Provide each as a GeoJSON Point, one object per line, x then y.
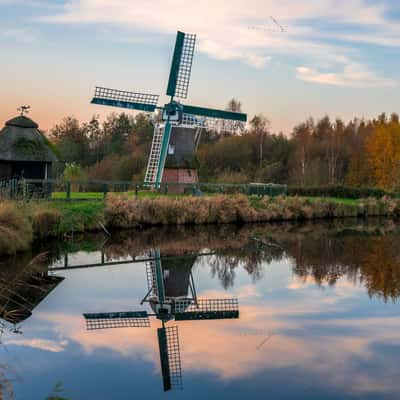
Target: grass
{"type": "Point", "coordinates": [78, 196]}
{"type": "Point", "coordinates": [100, 195]}
{"type": "Point", "coordinates": [142, 194]}
{"type": "Point", "coordinates": [79, 216]}
{"type": "Point", "coordinates": [125, 212]}
{"type": "Point", "coordinates": [335, 200]}
{"type": "Point", "coordinates": [15, 229]}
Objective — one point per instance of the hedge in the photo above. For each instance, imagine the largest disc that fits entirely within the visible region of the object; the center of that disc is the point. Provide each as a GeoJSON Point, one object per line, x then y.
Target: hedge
{"type": "Point", "coordinates": [339, 191]}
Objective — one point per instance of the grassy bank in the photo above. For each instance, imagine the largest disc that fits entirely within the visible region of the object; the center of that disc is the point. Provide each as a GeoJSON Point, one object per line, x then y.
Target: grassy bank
{"type": "Point", "coordinates": [22, 223]}
{"type": "Point", "coordinates": [124, 212]}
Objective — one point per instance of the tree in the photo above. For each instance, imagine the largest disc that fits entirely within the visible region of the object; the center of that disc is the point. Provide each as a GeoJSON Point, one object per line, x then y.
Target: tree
{"type": "Point", "coordinates": [302, 139]}
{"type": "Point", "coordinates": [232, 127]}
{"type": "Point", "coordinates": [71, 140]}
{"type": "Point", "coordinates": [359, 172]}
{"type": "Point", "coordinates": [259, 126]}
{"type": "Point", "coordinates": [383, 151]}
{"type": "Point", "coordinates": [117, 128]}
{"type": "Point", "coordinates": [95, 136]}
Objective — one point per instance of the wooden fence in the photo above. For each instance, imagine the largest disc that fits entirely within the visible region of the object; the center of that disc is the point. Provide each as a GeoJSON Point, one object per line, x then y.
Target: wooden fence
{"type": "Point", "coordinates": [28, 189]}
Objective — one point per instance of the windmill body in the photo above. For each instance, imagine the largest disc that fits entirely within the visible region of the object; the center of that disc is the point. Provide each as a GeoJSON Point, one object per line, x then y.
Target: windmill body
{"type": "Point", "coordinates": [177, 135]}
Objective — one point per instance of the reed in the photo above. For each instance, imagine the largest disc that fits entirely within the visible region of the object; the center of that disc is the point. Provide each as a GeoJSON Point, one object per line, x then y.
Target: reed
{"type": "Point", "coordinates": [15, 229]}
{"type": "Point", "coordinates": [126, 212]}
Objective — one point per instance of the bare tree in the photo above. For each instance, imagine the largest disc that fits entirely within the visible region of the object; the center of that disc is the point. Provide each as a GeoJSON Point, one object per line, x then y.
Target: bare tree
{"type": "Point", "coordinates": [260, 127]}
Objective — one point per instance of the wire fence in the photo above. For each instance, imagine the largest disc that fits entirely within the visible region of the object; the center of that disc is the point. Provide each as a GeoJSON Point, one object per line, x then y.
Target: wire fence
{"type": "Point", "coordinates": [60, 190]}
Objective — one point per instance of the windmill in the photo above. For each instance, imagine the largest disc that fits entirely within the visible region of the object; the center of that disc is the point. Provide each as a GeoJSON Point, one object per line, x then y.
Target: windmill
{"type": "Point", "coordinates": [171, 296]}
{"type": "Point", "coordinates": [178, 134]}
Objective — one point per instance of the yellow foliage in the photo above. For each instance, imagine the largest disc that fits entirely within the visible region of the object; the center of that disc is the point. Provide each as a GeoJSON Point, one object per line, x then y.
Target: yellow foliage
{"type": "Point", "coordinates": [383, 154]}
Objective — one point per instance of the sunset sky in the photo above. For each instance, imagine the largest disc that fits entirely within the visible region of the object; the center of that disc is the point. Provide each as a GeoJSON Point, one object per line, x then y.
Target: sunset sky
{"type": "Point", "coordinates": [336, 57]}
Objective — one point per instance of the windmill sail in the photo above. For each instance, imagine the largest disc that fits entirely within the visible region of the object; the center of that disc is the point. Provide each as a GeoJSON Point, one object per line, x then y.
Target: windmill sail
{"type": "Point", "coordinates": [124, 99]}
{"type": "Point", "coordinates": [170, 358]}
{"type": "Point", "coordinates": [204, 309]}
{"type": "Point", "coordinates": [213, 113]}
{"type": "Point", "coordinates": [158, 154]}
{"type": "Point", "coordinates": [126, 319]}
{"type": "Point", "coordinates": [181, 66]}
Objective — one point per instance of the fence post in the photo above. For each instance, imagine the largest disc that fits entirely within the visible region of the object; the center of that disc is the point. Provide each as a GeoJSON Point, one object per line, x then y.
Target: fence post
{"type": "Point", "coordinates": [24, 189]}
{"type": "Point", "coordinates": [105, 191]}
{"type": "Point", "coordinates": [68, 193]}
{"type": "Point", "coordinates": [166, 188]}
{"type": "Point", "coordinates": [137, 190]}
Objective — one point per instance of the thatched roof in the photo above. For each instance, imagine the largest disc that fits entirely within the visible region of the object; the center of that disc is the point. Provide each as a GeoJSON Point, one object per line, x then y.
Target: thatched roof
{"type": "Point", "coordinates": [19, 298]}
{"type": "Point", "coordinates": [21, 140]}
{"type": "Point", "coordinates": [24, 283]}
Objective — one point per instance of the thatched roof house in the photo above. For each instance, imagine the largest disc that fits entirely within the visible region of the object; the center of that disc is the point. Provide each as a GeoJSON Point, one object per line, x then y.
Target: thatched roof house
{"type": "Point", "coordinates": [24, 150]}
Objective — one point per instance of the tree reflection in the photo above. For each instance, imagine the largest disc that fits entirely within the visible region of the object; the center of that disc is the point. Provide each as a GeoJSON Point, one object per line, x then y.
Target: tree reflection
{"type": "Point", "coordinates": [362, 252]}
{"type": "Point", "coordinates": [224, 267]}
{"type": "Point", "coordinates": [367, 254]}
{"type": "Point", "coordinates": [380, 268]}
{"type": "Point", "coordinates": [368, 257]}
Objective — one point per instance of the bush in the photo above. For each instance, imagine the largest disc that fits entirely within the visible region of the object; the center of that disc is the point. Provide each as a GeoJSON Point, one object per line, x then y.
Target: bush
{"type": "Point", "coordinates": [15, 229]}
{"type": "Point", "coordinates": [338, 191]}
{"type": "Point", "coordinates": [45, 222]}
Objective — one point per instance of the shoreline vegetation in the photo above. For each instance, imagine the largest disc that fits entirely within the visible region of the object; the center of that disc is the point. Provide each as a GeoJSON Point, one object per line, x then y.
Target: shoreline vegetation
{"type": "Point", "coordinates": [22, 224]}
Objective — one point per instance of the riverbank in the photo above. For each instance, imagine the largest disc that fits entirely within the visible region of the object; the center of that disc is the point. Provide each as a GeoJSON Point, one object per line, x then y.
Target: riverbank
{"type": "Point", "coordinates": [23, 223]}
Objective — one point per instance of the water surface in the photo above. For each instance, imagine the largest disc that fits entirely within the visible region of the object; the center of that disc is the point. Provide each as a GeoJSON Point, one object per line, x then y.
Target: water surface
{"type": "Point", "coordinates": [318, 314]}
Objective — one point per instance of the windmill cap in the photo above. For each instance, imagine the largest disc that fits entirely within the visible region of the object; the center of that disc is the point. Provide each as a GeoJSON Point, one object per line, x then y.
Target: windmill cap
{"type": "Point", "coordinates": [22, 122]}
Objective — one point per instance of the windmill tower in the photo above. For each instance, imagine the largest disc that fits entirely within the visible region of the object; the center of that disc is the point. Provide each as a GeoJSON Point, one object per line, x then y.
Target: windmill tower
{"type": "Point", "coordinates": [172, 296]}
{"type": "Point", "coordinates": [176, 137]}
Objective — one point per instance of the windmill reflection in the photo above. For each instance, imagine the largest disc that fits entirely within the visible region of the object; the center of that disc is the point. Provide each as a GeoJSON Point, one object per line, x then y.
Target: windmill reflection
{"type": "Point", "coordinates": [171, 296]}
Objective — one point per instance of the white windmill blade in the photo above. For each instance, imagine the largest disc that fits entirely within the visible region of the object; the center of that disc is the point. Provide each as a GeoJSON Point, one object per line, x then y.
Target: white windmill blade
{"type": "Point", "coordinates": [181, 65]}
{"type": "Point", "coordinates": [170, 357]}
{"type": "Point", "coordinates": [204, 309]}
{"type": "Point", "coordinates": [158, 154]}
{"type": "Point", "coordinates": [125, 99]}
{"type": "Point", "coordinates": [124, 319]}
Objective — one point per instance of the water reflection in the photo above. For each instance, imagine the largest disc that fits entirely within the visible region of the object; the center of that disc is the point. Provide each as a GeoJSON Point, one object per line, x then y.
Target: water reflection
{"type": "Point", "coordinates": [324, 252]}
{"type": "Point", "coordinates": [171, 296]}
{"type": "Point", "coordinates": [316, 309]}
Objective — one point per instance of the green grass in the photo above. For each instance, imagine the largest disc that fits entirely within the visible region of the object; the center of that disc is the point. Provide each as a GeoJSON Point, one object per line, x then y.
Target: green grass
{"type": "Point", "coordinates": [79, 216]}
{"type": "Point", "coordinates": [335, 200]}
{"type": "Point", "coordinates": [153, 195]}
{"type": "Point", "coordinates": [78, 196]}
{"type": "Point", "coordinates": [100, 195]}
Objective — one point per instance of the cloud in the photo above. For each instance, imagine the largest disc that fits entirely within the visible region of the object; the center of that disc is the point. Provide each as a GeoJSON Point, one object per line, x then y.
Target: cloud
{"type": "Point", "coordinates": [223, 31]}
{"type": "Point", "coordinates": [46, 345]}
{"type": "Point", "coordinates": [212, 346]}
{"type": "Point", "coordinates": [352, 75]}
{"type": "Point", "coordinates": [20, 35]}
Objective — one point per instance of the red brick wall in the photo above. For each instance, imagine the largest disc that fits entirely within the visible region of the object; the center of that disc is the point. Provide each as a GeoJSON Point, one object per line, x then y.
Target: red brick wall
{"type": "Point", "coordinates": [175, 175]}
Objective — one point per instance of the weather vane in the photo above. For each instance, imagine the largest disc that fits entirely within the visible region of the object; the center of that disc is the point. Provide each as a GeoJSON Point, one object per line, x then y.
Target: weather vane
{"type": "Point", "coordinates": [24, 109]}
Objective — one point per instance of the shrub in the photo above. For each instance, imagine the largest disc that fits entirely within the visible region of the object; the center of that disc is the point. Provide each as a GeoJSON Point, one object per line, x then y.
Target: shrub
{"type": "Point", "coordinates": [45, 222]}
{"type": "Point", "coordinates": [338, 191]}
{"type": "Point", "coordinates": [15, 229]}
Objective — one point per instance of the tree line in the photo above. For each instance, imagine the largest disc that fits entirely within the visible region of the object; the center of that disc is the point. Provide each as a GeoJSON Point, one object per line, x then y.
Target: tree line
{"type": "Point", "coordinates": [359, 153]}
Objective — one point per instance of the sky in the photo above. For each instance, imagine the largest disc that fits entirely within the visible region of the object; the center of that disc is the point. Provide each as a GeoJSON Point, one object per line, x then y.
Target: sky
{"type": "Point", "coordinates": [335, 57]}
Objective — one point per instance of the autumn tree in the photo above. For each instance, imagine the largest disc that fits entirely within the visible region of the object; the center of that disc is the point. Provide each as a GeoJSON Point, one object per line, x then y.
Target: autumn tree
{"type": "Point", "coordinates": [383, 152]}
